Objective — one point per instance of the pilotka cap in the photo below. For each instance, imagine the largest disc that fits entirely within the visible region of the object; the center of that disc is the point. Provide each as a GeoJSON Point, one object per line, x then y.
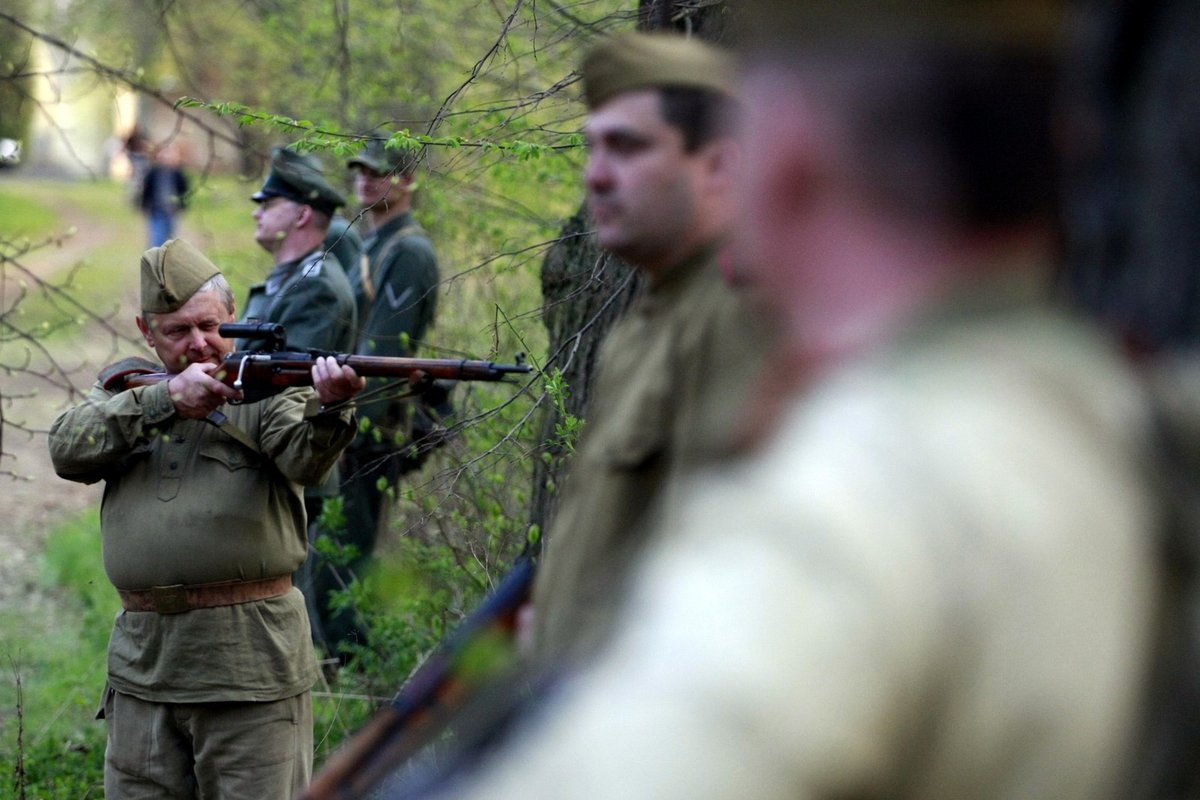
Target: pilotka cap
{"type": "Point", "coordinates": [299, 178]}
{"type": "Point", "coordinates": [171, 274]}
{"type": "Point", "coordinates": [631, 61]}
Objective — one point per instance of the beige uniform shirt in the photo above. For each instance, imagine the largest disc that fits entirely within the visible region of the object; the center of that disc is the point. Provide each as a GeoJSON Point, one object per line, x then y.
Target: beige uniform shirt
{"type": "Point", "coordinates": [673, 378]}
{"type": "Point", "coordinates": [185, 503]}
{"type": "Point", "coordinates": [933, 583]}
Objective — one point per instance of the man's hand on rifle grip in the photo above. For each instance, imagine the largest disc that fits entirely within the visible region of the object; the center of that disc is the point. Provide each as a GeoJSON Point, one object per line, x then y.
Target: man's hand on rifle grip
{"type": "Point", "coordinates": [196, 394]}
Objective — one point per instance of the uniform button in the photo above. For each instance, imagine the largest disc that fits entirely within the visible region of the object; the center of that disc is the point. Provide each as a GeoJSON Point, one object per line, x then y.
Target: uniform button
{"type": "Point", "coordinates": [174, 465]}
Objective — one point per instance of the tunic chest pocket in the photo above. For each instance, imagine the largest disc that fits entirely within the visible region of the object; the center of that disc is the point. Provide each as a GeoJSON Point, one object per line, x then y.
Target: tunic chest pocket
{"type": "Point", "coordinates": [638, 429]}
{"type": "Point", "coordinates": [231, 455]}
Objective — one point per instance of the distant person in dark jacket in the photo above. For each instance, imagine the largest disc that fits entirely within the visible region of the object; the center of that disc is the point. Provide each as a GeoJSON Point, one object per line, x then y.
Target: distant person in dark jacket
{"type": "Point", "coordinates": [164, 192]}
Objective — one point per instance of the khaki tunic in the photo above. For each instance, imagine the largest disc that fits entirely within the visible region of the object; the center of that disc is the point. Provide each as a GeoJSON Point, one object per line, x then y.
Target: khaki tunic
{"type": "Point", "coordinates": [673, 379]}
{"type": "Point", "coordinates": [185, 503]}
{"type": "Point", "coordinates": [933, 583]}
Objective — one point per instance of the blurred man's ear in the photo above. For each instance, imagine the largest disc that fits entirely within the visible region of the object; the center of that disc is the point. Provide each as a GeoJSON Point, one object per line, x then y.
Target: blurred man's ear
{"type": "Point", "coordinates": [795, 178]}
{"type": "Point", "coordinates": [723, 162]}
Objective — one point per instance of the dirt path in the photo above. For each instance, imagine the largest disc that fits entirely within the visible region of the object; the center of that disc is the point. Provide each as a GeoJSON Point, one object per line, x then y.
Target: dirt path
{"type": "Point", "coordinates": [33, 500]}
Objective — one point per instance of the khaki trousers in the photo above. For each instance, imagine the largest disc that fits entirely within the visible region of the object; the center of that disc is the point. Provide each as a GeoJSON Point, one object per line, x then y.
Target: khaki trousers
{"type": "Point", "coordinates": [207, 751]}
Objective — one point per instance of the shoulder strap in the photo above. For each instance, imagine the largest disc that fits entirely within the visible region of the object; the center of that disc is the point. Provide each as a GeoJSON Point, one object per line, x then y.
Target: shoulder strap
{"type": "Point", "coordinates": [112, 377]}
{"type": "Point", "coordinates": [364, 261]}
{"type": "Point", "coordinates": [226, 426]}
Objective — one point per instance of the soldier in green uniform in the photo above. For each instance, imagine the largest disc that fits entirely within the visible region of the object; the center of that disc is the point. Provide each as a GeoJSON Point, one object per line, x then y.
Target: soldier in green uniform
{"type": "Point", "coordinates": [202, 523]}
{"type": "Point", "coordinates": [674, 373]}
{"type": "Point", "coordinates": [307, 292]}
{"type": "Point", "coordinates": [395, 287]}
{"type": "Point", "coordinates": [934, 576]}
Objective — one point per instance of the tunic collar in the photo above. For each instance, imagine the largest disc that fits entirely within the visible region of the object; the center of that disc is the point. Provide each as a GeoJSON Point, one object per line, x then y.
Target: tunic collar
{"type": "Point", "coordinates": [387, 229]}
{"type": "Point", "coordinates": [677, 280]}
{"type": "Point", "coordinates": [283, 273]}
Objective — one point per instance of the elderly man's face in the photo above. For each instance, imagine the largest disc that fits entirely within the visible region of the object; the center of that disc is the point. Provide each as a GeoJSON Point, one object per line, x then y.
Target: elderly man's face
{"type": "Point", "coordinates": [641, 184]}
{"type": "Point", "coordinates": [190, 334]}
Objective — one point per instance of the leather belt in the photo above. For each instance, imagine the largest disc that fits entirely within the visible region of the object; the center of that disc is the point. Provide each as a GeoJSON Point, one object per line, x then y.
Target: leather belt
{"type": "Point", "coordinates": [180, 597]}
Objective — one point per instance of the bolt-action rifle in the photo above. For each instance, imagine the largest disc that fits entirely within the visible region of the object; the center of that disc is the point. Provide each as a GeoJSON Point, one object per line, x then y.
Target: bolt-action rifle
{"type": "Point", "coordinates": [262, 373]}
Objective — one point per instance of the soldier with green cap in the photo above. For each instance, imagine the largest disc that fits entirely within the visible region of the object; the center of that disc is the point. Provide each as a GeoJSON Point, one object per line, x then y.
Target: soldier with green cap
{"type": "Point", "coordinates": [673, 376]}
{"type": "Point", "coordinates": [210, 663]}
{"type": "Point", "coordinates": [306, 291]}
{"type": "Point", "coordinates": [395, 287]}
{"type": "Point", "coordinates": [933, 576]}
{"type": "Point", "coordinates": [342, 239]}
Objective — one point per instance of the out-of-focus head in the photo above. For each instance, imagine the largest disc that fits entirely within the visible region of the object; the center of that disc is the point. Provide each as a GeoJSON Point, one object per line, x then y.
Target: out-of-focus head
{"type": "Point", "coordinates": [948, 103]}
{"type": "Point", "coordinates": [383, 177]}
{"type": "Point", "coordinates": [168, 154]}
{"type": "Point", "coordinates": [880, 130]}
{"type": "Point", "coordinates": [294, 205]}
{"type": "Point", "coordinates": [185, 298]}
{"type": "Point", "coordinates": [661, 155]}
{"type": "Point", "coordinates": [383, 160]}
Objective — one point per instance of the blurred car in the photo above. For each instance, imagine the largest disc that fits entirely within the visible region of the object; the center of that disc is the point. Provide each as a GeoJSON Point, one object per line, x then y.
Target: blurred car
{"type": "Point", "coordinates": [10, 152]}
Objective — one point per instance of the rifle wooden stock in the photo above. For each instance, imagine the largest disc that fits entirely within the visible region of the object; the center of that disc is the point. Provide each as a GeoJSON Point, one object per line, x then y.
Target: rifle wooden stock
{"type": "Point", "coordinates": [261, 375]}
{"type": "Point", "coordinates": [426, 703]}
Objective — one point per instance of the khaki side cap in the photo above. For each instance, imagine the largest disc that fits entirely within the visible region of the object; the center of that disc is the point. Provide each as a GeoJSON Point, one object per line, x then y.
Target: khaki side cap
{"type": "Point", "coordinates": [633, 60]}
{"type": "Point", "coordinates": [171, 274]}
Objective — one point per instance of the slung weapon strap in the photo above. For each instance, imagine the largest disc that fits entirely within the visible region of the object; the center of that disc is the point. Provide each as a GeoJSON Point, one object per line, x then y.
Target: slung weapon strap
{"type": "Point", "coordinates": [364, 261]}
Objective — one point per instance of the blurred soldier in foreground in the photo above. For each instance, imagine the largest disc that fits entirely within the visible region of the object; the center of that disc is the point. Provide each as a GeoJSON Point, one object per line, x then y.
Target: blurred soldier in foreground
{"type": "Point", "coordinates": [932, 579]}
{"type": "Point", "coordinates": [306, 292]}
{"type": "Point", "coordinates": [674, 373]}
{"type": "Point", "coordinates": [211, 662]}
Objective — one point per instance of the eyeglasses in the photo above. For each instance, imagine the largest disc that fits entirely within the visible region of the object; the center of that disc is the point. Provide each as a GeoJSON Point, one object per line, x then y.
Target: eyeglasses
{"type": "Point", "coordinates": [271, 201]}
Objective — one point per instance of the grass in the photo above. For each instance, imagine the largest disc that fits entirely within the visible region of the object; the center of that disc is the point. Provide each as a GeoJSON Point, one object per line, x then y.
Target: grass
{"type": "Point", "coordinates": [55, 655]}
{"type": "Point", "coordinates": [24, 217]}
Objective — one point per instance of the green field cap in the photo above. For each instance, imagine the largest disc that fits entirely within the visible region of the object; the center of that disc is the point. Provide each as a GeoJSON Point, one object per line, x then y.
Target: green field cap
{"type": "Point", "coordinates": [298, 177]}
{"type": "Point", "coordinates": [384, 160]}
{"type": "Point", "coordinates": [171, 274]}
{"type": "Point", "coordinates": [630, 61]}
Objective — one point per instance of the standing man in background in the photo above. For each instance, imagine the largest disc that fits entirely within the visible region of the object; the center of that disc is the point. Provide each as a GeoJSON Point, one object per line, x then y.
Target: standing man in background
{"type": "Point", "coordinates": [674, 374]}
{"type": "Point", "coordinates": [211, 663]}
{"type": "Point", "coordinates": [395, 287]}
{"type": "Point", "coordinates": [308, 293]}
{"type": "Point", "coordinates": [164, 188]}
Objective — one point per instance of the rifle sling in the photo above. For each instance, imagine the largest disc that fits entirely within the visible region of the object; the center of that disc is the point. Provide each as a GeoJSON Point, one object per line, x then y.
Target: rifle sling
{"type": "Point", "coordinates": [223, 424]}
{"type": "Point", "coordinates": [364, 261]}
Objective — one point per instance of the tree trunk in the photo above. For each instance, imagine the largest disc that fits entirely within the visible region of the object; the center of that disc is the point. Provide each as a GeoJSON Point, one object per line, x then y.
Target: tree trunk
{"type": "Point", "coordinates": [585, 291]}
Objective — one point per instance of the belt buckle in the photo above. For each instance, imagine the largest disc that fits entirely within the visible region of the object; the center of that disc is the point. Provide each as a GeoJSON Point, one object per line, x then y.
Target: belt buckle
{"type": "Point", "coordinates": [169, 599]}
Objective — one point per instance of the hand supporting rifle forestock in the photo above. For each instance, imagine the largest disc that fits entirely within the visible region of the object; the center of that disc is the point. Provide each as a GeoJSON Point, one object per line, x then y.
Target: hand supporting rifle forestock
{"type": "Point", "coordinates": [259, 374]}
